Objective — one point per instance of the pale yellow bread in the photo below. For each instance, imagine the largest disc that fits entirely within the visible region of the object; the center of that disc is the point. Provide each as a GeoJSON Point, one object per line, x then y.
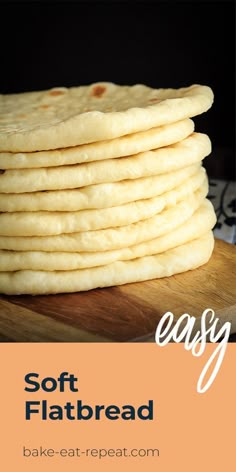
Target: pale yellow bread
{"type": "Point", "coordinates": [189, 256]}
{"type": "Point", "coordinates": [127, 145]}
{"type": "Point", "coordinates": [105, 195]}
{"type": "Point", "coordinates": [48, 223]}
{"type": "Point", "coordinates": [198, 224]}
{"type": "Point", "coordinates": [111, 238]}
{"type": "Point", "coordinates": [64, 117]}
{"type": "Point", "coordinates": [188, 152]}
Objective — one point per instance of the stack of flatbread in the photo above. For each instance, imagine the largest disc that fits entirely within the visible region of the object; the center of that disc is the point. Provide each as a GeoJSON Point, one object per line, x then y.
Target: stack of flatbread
{"type": "Point", "coordinates": [102, 185]}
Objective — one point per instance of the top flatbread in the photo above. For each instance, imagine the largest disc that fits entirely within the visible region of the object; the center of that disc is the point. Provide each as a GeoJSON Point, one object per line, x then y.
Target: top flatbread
{"type": "Point", "coordinates": [63, 117]}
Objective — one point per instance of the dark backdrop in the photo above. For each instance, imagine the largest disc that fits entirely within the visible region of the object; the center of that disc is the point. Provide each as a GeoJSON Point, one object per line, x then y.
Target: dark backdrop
{"type": "Point", "coordinates": [159, 44]}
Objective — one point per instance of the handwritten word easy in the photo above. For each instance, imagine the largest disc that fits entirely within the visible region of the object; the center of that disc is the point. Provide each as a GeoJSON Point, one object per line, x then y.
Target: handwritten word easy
{"type": "Point", "coordinates": [168, 330]}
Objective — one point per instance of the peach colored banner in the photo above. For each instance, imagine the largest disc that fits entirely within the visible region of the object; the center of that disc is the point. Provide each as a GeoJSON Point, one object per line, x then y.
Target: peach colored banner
{"type": "Point", "coordinates": [189, 431]}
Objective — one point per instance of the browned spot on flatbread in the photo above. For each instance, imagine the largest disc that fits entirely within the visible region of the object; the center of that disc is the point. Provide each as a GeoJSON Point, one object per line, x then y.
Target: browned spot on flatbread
{"type": "Point", "coordinates": [44, 107]}
{"type": "Point", "coordinates": [23, 115]}
{"type": "Point", "coordinates": [155, 100]}
{"type": "Point", "coordinates": [56, 93]}
{"type": "Point", "coordinates": [98, 91]}
{"type": "Point", "coordinates": [2, 171]}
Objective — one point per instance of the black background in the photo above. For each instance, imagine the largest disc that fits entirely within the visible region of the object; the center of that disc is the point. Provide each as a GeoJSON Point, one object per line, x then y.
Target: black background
{"type": "Point", "coordinates": [161, 44]}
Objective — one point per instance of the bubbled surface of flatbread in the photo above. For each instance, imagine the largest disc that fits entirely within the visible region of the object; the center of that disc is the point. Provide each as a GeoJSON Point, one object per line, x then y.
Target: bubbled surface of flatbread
{"type": "Point", "coordinates": [63, 117]}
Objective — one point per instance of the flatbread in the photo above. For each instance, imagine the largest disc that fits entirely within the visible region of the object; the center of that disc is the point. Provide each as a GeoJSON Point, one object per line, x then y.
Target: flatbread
{"type": "Point", "coordinates": [189, 256]}
{"type": "Point", "coordinates": [201, 222]}
{"type": "Point", "coordinates": [41, 223]}
{"type": "Point", "coordinates": [112, 238]}
{"type": "Point", "coordinates": [105, 195]}
{"type": "Point", "coordinates": [127, 145]}
{"type": "Point", "coordinates": [191, 150]}
{"type": "Point", "coordinates": [47, 223]}
{"type": "Point", "coordinates": [63, 117]}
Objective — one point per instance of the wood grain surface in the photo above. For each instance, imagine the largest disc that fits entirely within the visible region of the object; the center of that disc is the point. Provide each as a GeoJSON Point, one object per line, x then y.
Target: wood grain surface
{"type": "Point", "coordinates": [123, 313]}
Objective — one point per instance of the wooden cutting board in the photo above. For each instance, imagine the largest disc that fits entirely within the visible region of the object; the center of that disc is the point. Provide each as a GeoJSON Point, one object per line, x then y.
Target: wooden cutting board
{"type": "Point", "coordinates": [123, 313]}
